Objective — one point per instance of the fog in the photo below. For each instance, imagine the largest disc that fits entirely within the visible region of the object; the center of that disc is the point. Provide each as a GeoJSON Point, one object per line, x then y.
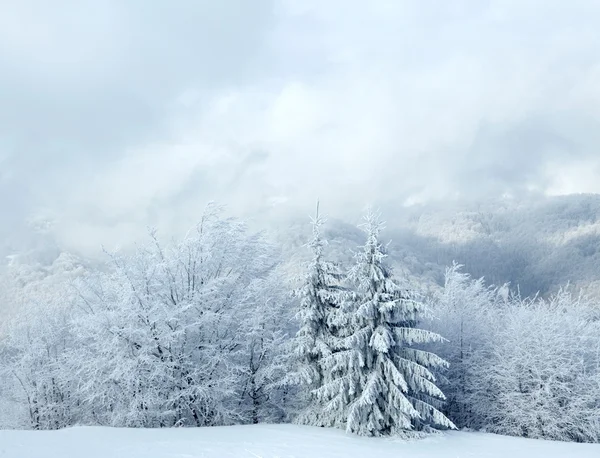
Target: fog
{"type": "Point", "coordinates": [118, 115]}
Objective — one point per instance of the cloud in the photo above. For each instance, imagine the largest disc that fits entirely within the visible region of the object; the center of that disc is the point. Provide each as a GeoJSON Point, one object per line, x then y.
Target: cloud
{"type": "Point", "coordinates": [123, 114]}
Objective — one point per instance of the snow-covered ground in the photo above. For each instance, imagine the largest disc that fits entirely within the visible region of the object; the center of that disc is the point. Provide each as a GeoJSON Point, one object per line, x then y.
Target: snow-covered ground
{"type": "Point", "coordinates": [271, 441]}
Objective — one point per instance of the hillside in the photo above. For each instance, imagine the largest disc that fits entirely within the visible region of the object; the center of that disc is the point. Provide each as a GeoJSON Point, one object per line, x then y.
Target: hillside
{"type": "Point", "coordinates": [536, 244]}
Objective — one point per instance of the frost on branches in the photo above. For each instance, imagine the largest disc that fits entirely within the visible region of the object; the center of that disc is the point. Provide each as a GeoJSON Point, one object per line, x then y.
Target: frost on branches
{"type": "Point", "coordinates": [320, 297]}
{"type": "Point", "coordinates": [172, 335]}
{"type": "Point", "coordinates": [465, 311]}
{"type": "Point", "coordinates": [263, 352]}
{"type": "Point", "coordinates": [384, 384]}
{"type": "Point", "coordinates": [542, 378]}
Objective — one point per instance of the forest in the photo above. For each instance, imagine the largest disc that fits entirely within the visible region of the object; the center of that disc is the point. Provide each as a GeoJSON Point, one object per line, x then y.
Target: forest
{"type": "Point", "coordinates": [226, 326]}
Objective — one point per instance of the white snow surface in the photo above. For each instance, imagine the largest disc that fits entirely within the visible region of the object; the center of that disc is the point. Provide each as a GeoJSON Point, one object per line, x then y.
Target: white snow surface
{"type": "Point", "coordinates": [271, 441]}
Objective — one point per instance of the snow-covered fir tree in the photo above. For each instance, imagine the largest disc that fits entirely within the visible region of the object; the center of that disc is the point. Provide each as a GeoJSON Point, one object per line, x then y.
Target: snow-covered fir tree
{"type": "Point", "coordinates": [321, 295]}
{"type": "Point", "coordinates": [382, 385]}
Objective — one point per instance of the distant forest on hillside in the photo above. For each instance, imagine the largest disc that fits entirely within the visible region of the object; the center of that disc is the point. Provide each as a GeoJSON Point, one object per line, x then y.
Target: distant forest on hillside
{"type": "Point", "coordinates": [536, 245]}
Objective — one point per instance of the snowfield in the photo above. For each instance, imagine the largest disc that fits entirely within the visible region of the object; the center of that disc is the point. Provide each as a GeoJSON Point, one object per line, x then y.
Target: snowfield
{"type": "Point", "coordinates": [271, 441]}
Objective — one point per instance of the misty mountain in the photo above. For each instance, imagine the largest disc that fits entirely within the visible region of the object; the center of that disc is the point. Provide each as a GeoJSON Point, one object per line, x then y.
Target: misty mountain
{"type": "Point", "coordinates": [536, 245]}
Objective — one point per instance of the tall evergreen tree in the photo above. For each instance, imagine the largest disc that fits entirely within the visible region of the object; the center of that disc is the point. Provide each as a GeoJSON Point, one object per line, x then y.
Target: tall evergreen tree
{"type": "Point", "coordinates": [381, 384]}
{"type": "Point", "coordinates": [320, 297]}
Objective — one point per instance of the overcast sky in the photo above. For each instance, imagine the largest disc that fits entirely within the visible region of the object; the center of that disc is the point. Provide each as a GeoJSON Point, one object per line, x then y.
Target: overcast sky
{"type": "Point", "coordinates": [117, 114]}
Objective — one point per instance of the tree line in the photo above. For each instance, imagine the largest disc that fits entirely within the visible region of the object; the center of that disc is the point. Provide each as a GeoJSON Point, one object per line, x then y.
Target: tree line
{"type": "Point", "coordinates": [217, 329]}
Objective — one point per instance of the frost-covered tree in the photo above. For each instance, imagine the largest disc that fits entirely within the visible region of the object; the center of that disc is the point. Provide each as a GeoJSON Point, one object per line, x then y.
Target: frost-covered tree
{"type": "Point", "coordinates": [34, 361]}
{"type": "Point", "coordinates": [33, 344]}
{"type": "Point", "coordinates": [321, 296]}
{"type": "Point", "coordinates": [382, 383]}
{"type": "Point", "coordinates": [190, 333]}
{"type": "Point", "coordinates": [163, 331]}
{"type": "Point", "coordinates": [263, 357]}
{"type": "Point", "coordinates": [465, 312]}
{"type": "Point", "coordinates": [541, 377]}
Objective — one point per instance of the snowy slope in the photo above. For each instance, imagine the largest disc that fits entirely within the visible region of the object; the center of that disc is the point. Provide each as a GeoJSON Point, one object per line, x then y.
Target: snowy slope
{"type": "Point", "coordinates": [271, 441]}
